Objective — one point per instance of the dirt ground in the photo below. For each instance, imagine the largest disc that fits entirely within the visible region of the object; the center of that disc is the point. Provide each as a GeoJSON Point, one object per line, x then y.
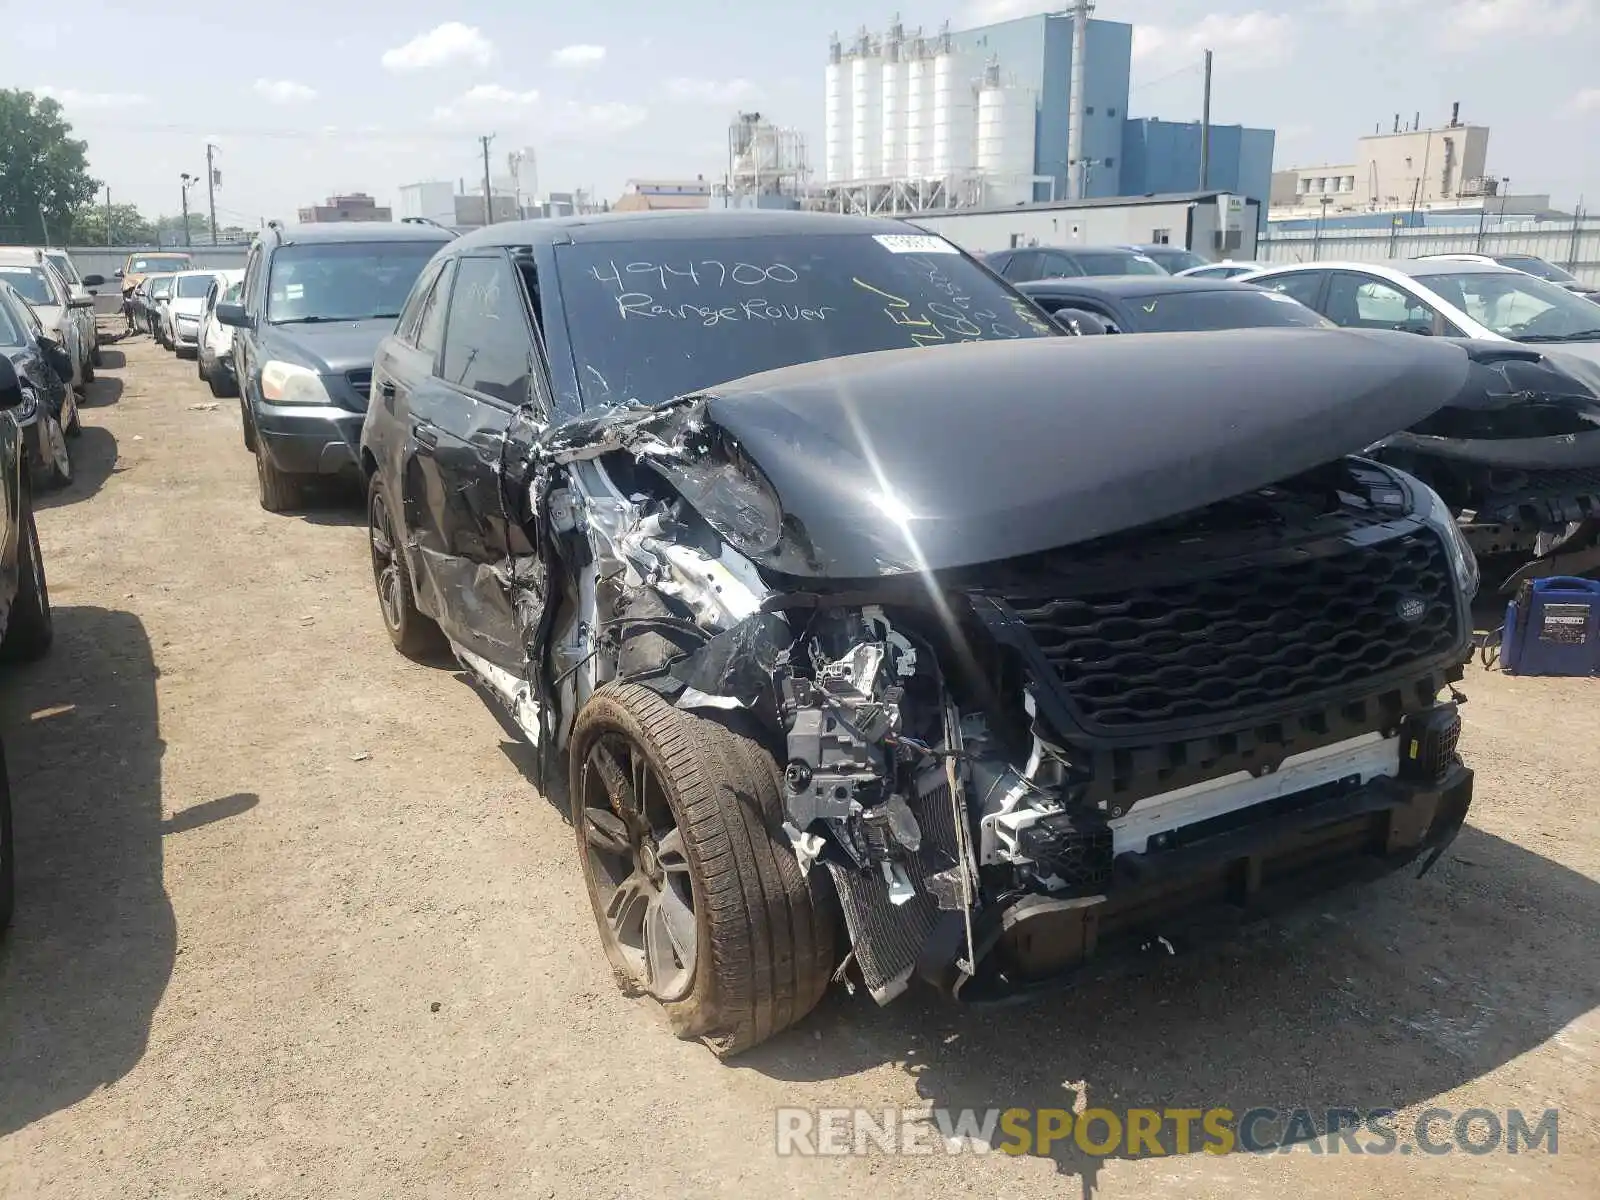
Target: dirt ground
{"type": "Point", "coordinates": [291, 922]}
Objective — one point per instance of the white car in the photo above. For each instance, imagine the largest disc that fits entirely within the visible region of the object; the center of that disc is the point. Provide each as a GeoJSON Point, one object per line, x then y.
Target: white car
{"type": "Point", "coordinates": [1529, 264]}
{"type": "Point", "coordinates": [68, 320]}
{"type": "Point", "coordinates": [1226, 269]}
{"type": "Point", "coordinates": [1445, 297]}
{"type": "Point", "coordinates": [82, 286]}
{"type": "Point", "coordinates": [180, 315]}
{"type": "Point", "coordinates": [214, 354]}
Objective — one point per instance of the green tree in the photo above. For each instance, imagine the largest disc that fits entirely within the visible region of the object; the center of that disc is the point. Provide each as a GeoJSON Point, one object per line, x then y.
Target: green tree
{"type": "Point", "coordinates": [44, 170]}
{"type": "Point", "coordinates": [129, 227]}
{"type": "Point", "coordinates": [171, 229]}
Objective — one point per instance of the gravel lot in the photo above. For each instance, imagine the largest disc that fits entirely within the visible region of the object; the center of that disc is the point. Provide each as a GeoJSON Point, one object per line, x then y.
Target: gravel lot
{"type": "Point", "coordinates": [292, 922]}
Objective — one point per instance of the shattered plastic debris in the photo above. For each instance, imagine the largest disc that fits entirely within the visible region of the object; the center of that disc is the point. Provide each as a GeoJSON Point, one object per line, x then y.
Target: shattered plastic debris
{"type": "Point", "coordinates": [209, 406]}
{"type": "Point", "coordinates": [739, 662]}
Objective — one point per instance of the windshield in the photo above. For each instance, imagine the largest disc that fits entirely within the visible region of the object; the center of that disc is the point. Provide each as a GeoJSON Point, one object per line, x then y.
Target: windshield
{"type": "Point", "coordinates": [1520, 306]}
{"type": "Point", "coordinates": [231, 296]}
{"type": "Point", "coordinates": [1174, 258]}
{"type": "Point", "coordinates": [1537, 266]}
{"type": "Point", "coordinates": [1203, 311]}
{"type": "Point", "coordinates": [146, 264]}
{"type": "Point", "coordinates": [344, 281]}
{"type": "Point", "coordinates": [193, 287]}
{"type": "Point", "coordinates": [161, 287]}
{"type": "Point", "coordinates": [650, 321]}
{"type": "Point", "coordinates": [31, 283]}
{"type": "Point", "coordinates": [10, 331]}
{"type": "Point", "coordinates": [1116, 262]}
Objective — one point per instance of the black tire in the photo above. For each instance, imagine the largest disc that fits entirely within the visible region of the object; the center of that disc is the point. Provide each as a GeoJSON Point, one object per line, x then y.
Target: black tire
{"type": "Point", "coordinates": [31, 628]}
{"type": "Point", "coordinates": [53, 473]}
{"type": "Point", "coordinates": [88, 369]}
{"type": "Point", "coordinates": [8, 853]}
{"type": "Point", "coordinates": [200, 367]}
{"type": "Point", "coordinates": [95, 356]}
{"type": "Point", "coordinates": [74, 427]}
{"type": "Point", "coordinates": [413, 632]}
{"type": "Point", "coordinates": [765, 939]}
{"type": "Point", "coordinates": [185, 351]}
{"type": "Point", "coordinates": [219, 389]}
{"type": "Point", "coordinates": [279, 491]}
{"type": "Point", "coordinates": [249, 427]}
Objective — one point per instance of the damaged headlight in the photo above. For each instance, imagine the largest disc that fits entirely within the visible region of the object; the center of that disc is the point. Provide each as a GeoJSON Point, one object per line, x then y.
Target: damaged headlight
{"type": "Point", "coordinates": [1463, 563]}
{"type": "Point", "coordinates": [732, 495]}
{"type": "Point", "coordinates": [290, 383]}
{"type": "Point", "coordinates": [25, 412]}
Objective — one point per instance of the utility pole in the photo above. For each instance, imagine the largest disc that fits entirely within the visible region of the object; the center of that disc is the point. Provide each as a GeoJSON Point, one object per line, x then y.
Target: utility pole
{"type": "Point", "coordinates": [188, 181]}
{"type": "Point", "coordinates": [211, 191]}
{"type": "Point", "coordinates": [110, 240]}
{"type": "Point", "coordinates": [1205, 130]}
{"type": "Point", "coordinates": [488, 198]}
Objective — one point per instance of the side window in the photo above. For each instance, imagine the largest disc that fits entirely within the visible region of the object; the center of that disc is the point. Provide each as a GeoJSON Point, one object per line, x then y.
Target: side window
{"type": "Point", "coordinates": [252, 275]}
{"type": "Point", "coordinates": [1303, 286]}
{"type": "Point", "coordinates": [411, 314]}
{"type": "Point", "coordinates": [489, 346]}
{"type": "Point", "coordinates": [1368, 303]}
{"type": "Point", "coordinates": [211, 296]}
{"type": "Point", "coordinates": [430, 322]}
{"type": "Point", "coordinates": [1023, 266]}
{"type": "Point", "coordinates": [1057, 266]}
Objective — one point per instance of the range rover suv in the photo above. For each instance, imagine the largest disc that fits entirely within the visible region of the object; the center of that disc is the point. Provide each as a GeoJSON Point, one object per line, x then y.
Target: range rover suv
{"type": "Point", "coordinates": [853, 643]}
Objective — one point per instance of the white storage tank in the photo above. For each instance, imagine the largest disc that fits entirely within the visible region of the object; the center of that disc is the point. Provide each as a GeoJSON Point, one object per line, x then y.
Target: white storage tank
{"type": "Point", "coordinates": [866, 112]}
{"type": "Point", "coordinates": [1005, 147]}
{"type": "Point", "coordinates": [893, 134]}
{"type": "Point", "coordinates": [919, 113]}
{"type": "Point", "coordinates": [954, 119]}
{"type": "Point", "coordinates": [836, 147]}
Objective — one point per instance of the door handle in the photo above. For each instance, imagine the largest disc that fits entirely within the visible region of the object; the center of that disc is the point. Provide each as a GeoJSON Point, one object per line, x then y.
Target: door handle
{"type": "Point", "coordinates": [386, 389]}
{"type": "Point", "coordinates": [427, 436]}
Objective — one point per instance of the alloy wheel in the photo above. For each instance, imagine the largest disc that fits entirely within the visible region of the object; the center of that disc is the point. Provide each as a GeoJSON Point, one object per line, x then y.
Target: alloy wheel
{"type": "Point", "coordinates": [385, 563]}
{"type": "Point", "coordinates": [639, 866]}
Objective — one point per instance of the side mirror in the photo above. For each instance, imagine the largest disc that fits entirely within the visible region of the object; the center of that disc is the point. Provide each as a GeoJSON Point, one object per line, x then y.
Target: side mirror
{"type": "Point", "coordinates": [90, 281]}
{"type": "Point", "coordinates": [234, 315]}
{"type": "Point", "coordinates": [1077, 321]}
{"type": "Point", "coordinates": [56, 355]}
{"type": "Point", "coordinates": [117, 275]}
{"type": "Point", "coordinates": [1425, 328]}
{"type": "Point", "coordinates": [10, 385]}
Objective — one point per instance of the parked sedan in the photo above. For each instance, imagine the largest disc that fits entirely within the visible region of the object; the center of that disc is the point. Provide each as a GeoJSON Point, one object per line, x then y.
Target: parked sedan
{"type": "Point", "coordinates": [1226, 269]}
{"type": "Point", "coordinates": [1173, 303]}
{"type": "Point", "coordinates": [69, 321]}
{"type": "Point", "coordinates": [48, 413]}
{"type": "Point", "coordinates": [180, 319]}
{"type": "Point", "coordinates": [1050, 262]}
{"type": "Point", "coordinates": [1444, 297]}
{"type": "Point", "coordinates": [214, 354]}
{"type": "Point", "coordinates": [1170, 258]}
{"type": "Point", "coordinates": [158, 290]}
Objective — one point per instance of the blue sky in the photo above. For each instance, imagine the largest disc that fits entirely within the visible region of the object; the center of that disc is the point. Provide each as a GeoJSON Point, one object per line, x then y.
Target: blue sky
{"type": "Point", "coordinates": [310, 99]}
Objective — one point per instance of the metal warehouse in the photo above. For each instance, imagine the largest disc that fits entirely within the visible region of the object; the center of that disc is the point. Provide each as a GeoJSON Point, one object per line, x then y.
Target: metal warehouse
{"type": "Point", "coordinates": [1214, 224]}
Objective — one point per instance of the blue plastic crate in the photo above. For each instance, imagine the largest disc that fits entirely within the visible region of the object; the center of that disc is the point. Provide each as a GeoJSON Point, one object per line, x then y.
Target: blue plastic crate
{"type": "Point", "coordinates": [1553, 628]}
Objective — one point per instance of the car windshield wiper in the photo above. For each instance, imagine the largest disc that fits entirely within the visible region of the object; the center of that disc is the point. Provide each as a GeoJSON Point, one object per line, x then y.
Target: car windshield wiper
{"type": "Point", "coordinates": [323, 320]}
{"type": "Point", "coordinates": [1583, 335]}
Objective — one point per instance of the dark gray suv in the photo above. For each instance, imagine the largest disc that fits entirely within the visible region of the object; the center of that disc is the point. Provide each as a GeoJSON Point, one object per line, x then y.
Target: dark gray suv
{"type": "Point", "coordinates": [317, 300]}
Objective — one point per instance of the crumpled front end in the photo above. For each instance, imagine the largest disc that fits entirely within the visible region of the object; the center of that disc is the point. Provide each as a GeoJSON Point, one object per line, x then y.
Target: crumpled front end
{"type": "Point", "coordinates": [1007, 769]}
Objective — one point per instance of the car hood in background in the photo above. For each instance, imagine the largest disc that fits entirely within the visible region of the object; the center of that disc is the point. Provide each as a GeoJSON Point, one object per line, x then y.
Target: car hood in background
{"type": "Point", "coordinates": [1521, 406]}
{"type": "Point", "coordinates": [50, 316]}
{"type": "Point", "coordinates": [331, 348]}
{"type": "Point", "coordinates": [933, 459]}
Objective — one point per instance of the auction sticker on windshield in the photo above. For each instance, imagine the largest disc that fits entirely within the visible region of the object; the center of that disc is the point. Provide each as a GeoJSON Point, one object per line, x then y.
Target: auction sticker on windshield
{"type": "Point", "coordinates": [913, 243]}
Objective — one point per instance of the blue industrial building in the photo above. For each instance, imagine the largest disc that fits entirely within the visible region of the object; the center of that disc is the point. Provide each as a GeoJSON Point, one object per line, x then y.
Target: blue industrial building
{"type": "Point", "coordinates": [1123, 156]}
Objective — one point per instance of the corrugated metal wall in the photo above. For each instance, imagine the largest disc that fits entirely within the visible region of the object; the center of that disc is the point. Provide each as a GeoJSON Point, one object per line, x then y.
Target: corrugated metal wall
{"type": "Point", "coordinates": [1574, 245]}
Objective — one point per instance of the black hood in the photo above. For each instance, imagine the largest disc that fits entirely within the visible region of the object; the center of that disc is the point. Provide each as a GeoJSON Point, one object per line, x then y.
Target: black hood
{"type": "Point", "coordinates": [1520, 407]}
{"type": "Point", "coordinates": [330, 348]}
{"type": "Point", "coordinates": [941, 458]}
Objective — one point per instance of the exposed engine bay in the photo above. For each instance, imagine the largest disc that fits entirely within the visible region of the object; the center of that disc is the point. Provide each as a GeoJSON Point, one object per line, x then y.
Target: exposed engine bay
{"type": "Point", "coordinates": [983, 757]}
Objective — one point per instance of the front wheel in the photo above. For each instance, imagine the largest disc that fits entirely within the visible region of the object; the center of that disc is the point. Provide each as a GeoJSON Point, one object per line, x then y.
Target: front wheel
{"type": "Point", "coordinates": [413, 633]}
{"type": "Point", "coordinates": [699, 899]}
{"type": "Point", "coordinates": [57, 470]}
{"type": "Point", "coordinates": [279, 491]}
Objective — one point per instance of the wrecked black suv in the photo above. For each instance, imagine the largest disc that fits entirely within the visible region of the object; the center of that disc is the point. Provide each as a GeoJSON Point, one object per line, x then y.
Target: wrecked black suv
{"type": "Point", "coordinates": [868, 654]}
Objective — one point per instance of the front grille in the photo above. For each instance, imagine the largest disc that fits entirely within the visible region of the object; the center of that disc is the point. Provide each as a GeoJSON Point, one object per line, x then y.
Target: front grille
{"type": "Point", "coordinates": [361, 381]}
{"type": "Point", "coordinates": [1262, 636]}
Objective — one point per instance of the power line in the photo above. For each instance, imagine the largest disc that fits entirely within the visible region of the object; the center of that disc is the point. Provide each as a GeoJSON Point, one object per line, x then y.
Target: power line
{"type": "Point", "coordinates": [331, 133]}
{"type": "Point", "coordinates": [1191, 69]}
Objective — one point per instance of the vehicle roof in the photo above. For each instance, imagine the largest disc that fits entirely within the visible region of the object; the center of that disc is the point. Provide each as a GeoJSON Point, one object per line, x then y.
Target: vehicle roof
{"type": "Point", "coordinates": [132, 254]}
{"type": "Point", "coordinates": [649, 226]}
{"type": "Point", "coordinates": [195, 271]}
{"type": "Point", "coordinates": [1134, 285]}
{"type": "Point", "coordinates": [1415, 268]}
{"type": "Point", "coordinates": [313, 233]}
{"type": "Point", "coordinates": [23, 255]}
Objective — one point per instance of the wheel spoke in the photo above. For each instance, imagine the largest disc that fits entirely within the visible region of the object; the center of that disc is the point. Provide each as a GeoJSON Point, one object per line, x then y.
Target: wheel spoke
{"type": "Point", "coordinates": [605, 831]}
{"type": "Point", "coordinates": [627, 908]}
{"type": "Point", "coordinates": [676, 920]}
{"type": "Point", "coordinates": [670, 854]}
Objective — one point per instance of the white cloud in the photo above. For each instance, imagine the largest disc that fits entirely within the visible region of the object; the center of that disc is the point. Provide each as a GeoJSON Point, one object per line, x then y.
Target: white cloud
{"type": "Point", "coordinates": [485, 96]}
{"type": "Point", "coordinates": [1252, 39]}
{"type": "Point", "coordinates": [710, 91]}
{"type": "Point", "coordinates": [1587, 100]}
{"type": "Point", "coordinates": [283, 91]}
{"type": "Point", "coordinates": [986, 12]}
{"type": "Point", "coordinates": [73, 98]}
{"type": "Point", "coordinates": [612, 117]}
{"type": "Point", "coordinates": [451, 42]}
{"type": "Point", "coordinates": [1479, 24]}
{"type": "Point", "coordinates": [578, 56]}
